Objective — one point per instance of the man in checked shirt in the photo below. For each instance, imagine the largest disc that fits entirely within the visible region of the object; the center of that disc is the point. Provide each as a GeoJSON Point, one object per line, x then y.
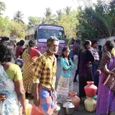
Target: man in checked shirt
{"type": "Point", "coordinates": [45, 71]}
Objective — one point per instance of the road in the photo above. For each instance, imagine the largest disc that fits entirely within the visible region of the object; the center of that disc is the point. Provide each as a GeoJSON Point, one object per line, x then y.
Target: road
{"type": "Point", "coordinates": [80, 111]}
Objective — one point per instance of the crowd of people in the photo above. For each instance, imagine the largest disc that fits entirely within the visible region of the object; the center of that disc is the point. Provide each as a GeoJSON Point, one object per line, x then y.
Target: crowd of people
{"type": "Point", "coordinates": [32, 75]}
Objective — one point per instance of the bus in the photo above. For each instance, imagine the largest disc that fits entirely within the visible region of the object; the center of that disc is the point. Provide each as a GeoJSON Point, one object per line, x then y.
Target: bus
{"type": "Point", "coordinates": [42, 32]}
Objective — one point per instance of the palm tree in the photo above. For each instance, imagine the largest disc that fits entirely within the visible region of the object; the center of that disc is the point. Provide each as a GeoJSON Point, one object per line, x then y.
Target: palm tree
{"type": "Point", "coordinates": [59, 14]}
{"type": "Point", "coordinates": [48, 12]}
{"type": "Point", "coordinates": [2, 7]}
{"type": "Point", "coordinates": [18, 17]}
{"type": "Point", "coordinates": [33, 21]}
{"type": "Point", "coordinates": [49, 18]}
{"type": "Point", "coordinates": [67, 10]}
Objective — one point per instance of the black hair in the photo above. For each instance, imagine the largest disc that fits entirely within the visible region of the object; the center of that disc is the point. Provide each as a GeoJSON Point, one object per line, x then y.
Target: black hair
{"type": "Point", "coordinates": [51, 40]}
{"type": "Point", "coordinates": [5, 53]}
{"type": "Point", "coordinates": [18, 43]}
{"type": "Point", "coordinates": [94, 42]}
{"type": "Point", "coordinates": [87, 42]}
{"type": "Point", "coordinates": [21, 42]}
{"type": "Point", "coordinates": [63, 50]}
{"type": "Point", "coordinates": [78, 41]}
{"type": "Point", "coordinates": [100, 47]}
{"type": "Point", "coordinates": [3, 39]}
{"type": "Point", "coordinates": [109, 45]}
{"type": "Point", "coordinates": [31, 43]}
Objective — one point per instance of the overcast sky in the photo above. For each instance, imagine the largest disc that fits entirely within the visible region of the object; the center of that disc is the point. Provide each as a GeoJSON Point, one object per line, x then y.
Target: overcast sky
{"type": "Point", "coordinates": [37, 7]}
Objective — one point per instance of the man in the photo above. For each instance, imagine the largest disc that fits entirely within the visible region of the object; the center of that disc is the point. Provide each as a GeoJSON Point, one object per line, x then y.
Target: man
{"type": "Point", "coordinates": [45, 71]}
{"type": "Point", "coordinates": [94, 51]}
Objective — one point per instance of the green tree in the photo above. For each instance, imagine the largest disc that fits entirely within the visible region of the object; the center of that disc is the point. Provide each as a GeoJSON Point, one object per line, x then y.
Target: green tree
{"type": "Point", "coordinates": [67, 10]}
{"type": "Point", "coordinates": [69, 23]}
{"type": "Point", "coordinates": [17, 29]}
{"type": "Point", "coordinates": [59, 14]}
{"type": "Point", "coordinates": [2, 7]}
{"type": "Point", "coordinates": [19, 17]}
{"type": "Point", "coordinates": [96, 22]}
{"type": "Point", "coordinates": [33, 21]}
{"type": "Point", "coordinates": [4, 26]}
{"type": "Point", "coordinates": [48, 12]}
{"type": "Point", "coordinates": [49, 17]}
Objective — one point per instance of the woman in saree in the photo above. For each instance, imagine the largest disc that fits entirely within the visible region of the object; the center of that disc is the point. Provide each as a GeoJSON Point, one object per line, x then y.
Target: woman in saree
{"type": "Point", "coordinates": [106, 97]}
{"type": "Point", "coordinates": [12, 94]}
{"type": "Point", "coordinates": [29, 56]}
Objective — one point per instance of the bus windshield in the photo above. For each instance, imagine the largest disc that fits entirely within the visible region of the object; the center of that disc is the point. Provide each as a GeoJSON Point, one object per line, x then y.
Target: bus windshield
{"type": "Point", "coordinates": [45, 33]}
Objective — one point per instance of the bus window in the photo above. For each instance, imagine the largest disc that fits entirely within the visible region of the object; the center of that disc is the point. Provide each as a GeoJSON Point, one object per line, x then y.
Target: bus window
{"type": "Point", "coordinates": [46, 33]}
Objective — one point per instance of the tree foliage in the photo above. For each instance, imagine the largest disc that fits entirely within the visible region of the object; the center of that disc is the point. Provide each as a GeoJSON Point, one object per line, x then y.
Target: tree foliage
{"type": "Point", "coordinates": [59, 14]}
{"type": "Point", "coordinates": [33, 21]}
{"type": "Point", "coordinates": [19, 17]}
{"type": "Point", "coordinates": [97, 22]}
{"type": "Point", "coordinates": [67, 10]}
{"type": "Point", "coordinates": [2, 7]}
{"type": "Point", "coordinates": [69, 22]}
{"type": "Point", "coordinates": [14, 27]}
{"type": "Point", "coordinates": [49, 17]}
{"type": "Point", "coordinates": [4, 26]}
{"type": "Point", "coordinates": [17, 29]}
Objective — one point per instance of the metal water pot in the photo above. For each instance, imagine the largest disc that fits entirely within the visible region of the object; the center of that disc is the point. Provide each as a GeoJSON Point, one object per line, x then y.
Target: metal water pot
{"type": "Point", "coordinates": [69, 108]}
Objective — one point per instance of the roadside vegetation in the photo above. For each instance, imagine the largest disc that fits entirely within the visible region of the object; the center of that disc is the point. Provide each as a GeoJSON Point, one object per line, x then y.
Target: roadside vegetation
{"type": "Point", "coordinates": [93, 22]}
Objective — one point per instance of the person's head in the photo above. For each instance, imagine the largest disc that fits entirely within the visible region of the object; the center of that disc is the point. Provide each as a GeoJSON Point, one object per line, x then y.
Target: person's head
{"type": "Point", "coordinates": [21, 42]}
{"type": "Point", "coordinates": [87, 44]}
{"type": "Point", "coordinates": [100, 47]}
{"type": "Point", "coordinates": [78, 41]}
{"type": "Point", "coordinates": [5, 53]}
{"type": "Point", "coordinates": [77, 45]}
{"type": "Point", "coordinates": [31, 43]}
{"type": "Point", "coordinates": [52, 44]}
{"type": "Point", "coordinates": [109, 45]}
{"type": "Point", "coordinates": [18, 44]}
{"type": "Point", "coordinates": [65, 51]}
{"type": "Point", "coordinates": [94, 44]}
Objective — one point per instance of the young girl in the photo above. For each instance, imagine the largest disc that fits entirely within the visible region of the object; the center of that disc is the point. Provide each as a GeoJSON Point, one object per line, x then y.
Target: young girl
{"type": "Point", "coordinates": [65, 83]}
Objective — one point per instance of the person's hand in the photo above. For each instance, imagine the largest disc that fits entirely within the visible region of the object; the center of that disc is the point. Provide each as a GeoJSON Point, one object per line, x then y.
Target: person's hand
{"type": "Point", "coordinates": [2, 97]}
{"type": "Point", "coordinates": [37, 102]}
{"type": "Point", "coordinates": [23, 112]}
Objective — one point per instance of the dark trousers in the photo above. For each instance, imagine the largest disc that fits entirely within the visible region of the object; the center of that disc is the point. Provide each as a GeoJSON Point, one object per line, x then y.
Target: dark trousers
{"type": "Point", "coordinates": [95, 66]}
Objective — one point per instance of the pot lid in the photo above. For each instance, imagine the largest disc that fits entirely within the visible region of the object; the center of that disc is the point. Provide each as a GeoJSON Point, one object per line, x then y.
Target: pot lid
{"type": "Point", "coordinates": [68, 105]}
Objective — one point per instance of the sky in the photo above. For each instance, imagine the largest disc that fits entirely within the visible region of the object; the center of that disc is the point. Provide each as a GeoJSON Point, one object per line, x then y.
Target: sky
{"type": "Point", "coordinates": [37, 7]}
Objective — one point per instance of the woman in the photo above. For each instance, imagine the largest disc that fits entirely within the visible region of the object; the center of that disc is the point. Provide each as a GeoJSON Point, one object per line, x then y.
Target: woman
{"type": "Point", "coordinates": [65, 83]}
{"type": "Point", "coordinates": [106, 98]}
{"type": "Point", "coordinates": [29, 56]}
{"type": "Point", "coordinates": [11, 85]}
{"type": "Point", "coordinates": [85, 67]}
{"type": "Point", "coordinates": [20, 48]}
